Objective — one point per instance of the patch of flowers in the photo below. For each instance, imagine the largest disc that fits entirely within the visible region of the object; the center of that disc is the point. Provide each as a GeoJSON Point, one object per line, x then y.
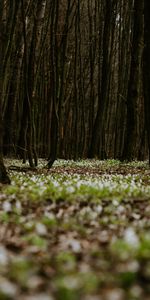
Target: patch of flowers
{"type": "Point", "coordinates": [64, 184]}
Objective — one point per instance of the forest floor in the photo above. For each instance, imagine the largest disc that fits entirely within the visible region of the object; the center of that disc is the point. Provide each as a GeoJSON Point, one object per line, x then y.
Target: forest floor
{"type": "Point", "coordinates": [80, 230]}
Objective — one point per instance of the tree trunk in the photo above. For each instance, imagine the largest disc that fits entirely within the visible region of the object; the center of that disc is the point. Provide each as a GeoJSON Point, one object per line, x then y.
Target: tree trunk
{"type": "Point", "coordinates": [3, 174]}
{"type": "Point", "coordinates": [146, 68]}
{"type": "Point", "coordinates": [130, 142]}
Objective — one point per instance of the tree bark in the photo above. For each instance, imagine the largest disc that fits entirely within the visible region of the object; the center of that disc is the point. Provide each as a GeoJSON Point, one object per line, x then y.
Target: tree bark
{"type": "Point", "coordinates": [130, 142]}
{"type": "Point", "coordinates": [146, 68]}
{"type": "Point", "coordinates": [4, 178]}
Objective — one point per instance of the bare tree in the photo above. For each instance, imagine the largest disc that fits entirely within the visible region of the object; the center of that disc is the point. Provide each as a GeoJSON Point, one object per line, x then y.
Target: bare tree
{"type": "Point", "coordinates": [146, 68]}
{"type": "Point", "coordinates": [134, 85]}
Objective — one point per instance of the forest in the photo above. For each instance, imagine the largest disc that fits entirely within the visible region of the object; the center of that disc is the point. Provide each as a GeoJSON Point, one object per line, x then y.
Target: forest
{"type": "Point", "coordinates": [74, 149]}
{"type": "Point", "coordinates": [74, 80]}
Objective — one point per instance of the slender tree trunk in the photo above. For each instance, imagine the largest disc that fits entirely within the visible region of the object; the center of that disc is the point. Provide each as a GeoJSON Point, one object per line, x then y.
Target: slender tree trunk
{"type": "Point", "coordinates": [55, 85]}
{"type": "Point", "coordinates": [3, 174]}
{"type": "Point", "coordinates": [130, 142]}
{"type": "Point", "coordinates": [97, 147]}
{"type": "Point", "coordinates": [146, 68]}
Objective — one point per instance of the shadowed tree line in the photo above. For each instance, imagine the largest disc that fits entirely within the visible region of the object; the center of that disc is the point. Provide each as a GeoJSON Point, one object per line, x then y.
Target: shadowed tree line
{"type": "Point", "coordinates": [74, 80]}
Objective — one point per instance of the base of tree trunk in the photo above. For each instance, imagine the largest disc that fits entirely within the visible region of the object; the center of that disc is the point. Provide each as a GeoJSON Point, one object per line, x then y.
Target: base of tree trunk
{"type": "Point", "coordinates": [50, 163]}
{"type": "Point", "coordinates": [4, 178]}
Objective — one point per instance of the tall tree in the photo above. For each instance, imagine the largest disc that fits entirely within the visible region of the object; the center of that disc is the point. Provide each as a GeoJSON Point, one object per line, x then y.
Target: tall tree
{"type": "Point", "coordinates": [134, 85]}
{"type": "Point", "coordinates": [146, 68]}
{"type": "Point", "coordinates": [97, 146]}
{"type": "Point", "coordinates": [3, 53]}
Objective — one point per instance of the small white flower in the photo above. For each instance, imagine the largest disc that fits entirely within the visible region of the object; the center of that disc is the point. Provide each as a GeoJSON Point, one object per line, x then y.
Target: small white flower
{"type": "Point", "coordinates": [18, 205]}
{"type": "Point", "coordinates": [41, 229]}
{"type": "Point", "coordinates": [75, 245]}
{"type": "Point", "coordinates": [7, 206]}
{"type": "Point", "coordinates": [70, 189]}
{"type": "Point", "coordinates": [7, 288]}
{"type": "Point", "coordinates": [3, 256]}
{"type": "Point", "coordinates": [131, 237]}
{"type": "Point", "coordinates": [98, 209]}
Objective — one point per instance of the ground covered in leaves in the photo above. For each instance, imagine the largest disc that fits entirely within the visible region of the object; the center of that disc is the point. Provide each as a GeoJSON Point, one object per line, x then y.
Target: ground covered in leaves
{"type": "Point", "coordinates": [80, 230]}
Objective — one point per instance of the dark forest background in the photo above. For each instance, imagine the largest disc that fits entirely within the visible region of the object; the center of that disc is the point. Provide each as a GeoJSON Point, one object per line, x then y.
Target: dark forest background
{"type": "Point", "coordinates": [74, 79]}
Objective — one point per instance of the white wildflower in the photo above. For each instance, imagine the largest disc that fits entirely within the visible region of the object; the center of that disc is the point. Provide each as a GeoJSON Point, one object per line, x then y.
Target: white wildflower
{"type": "Point", "coordinates": [6, 206]}
{"type": "Point", "coordinates": [41, 229]}
{"type": "Point", "coordinates": [131, 237]}
{"type": "Point", "coordinates": [3, 256]}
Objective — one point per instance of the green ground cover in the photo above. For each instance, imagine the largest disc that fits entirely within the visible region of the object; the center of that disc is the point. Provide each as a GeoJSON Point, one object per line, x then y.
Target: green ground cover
{"type": "Point", "coordinates": [80, 230]}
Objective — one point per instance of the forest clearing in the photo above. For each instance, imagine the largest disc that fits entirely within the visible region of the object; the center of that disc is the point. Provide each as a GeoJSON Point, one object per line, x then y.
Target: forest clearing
{"type": "Point", "coordinates": [77, 231]}
{"type": "Point", "coordinates": [75, 110]}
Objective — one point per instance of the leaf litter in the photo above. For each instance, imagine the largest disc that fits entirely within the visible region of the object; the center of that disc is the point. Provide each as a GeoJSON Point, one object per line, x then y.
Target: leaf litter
{"type": "Point", "coordinates": [77, 231]}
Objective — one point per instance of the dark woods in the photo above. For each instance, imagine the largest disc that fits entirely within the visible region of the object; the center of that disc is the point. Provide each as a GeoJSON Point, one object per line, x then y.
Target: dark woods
{"type": "Point", "coordinates": [74, 80]}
